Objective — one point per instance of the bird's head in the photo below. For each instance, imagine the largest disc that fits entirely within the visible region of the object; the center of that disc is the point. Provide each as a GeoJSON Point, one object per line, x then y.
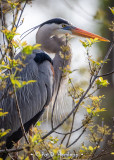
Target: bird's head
{"type": "Point", "coordinates": [61, 27]}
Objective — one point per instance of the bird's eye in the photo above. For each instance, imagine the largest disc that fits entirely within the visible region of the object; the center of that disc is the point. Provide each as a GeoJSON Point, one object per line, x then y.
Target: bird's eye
{"type": "Point", "coordinates": [63, 25]}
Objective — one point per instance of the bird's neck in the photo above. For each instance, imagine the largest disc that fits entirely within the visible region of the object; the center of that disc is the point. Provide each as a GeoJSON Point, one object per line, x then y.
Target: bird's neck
{"type": "Point", "coordinates": [61, 59]}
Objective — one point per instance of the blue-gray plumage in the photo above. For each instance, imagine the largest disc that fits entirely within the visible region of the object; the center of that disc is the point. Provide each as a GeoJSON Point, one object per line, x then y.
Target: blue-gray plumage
{"type": "Point", "coordinates": [30, 99]}
{"type": "Point", "coordinates": [34, 97]}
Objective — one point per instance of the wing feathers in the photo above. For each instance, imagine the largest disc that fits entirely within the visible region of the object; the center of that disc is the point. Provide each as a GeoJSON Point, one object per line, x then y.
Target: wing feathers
{"type": "Point", "coordinates": [32, 98]}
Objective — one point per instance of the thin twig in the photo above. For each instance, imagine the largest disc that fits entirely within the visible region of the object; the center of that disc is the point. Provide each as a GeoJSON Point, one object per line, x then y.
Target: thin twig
{"type": "Point", "coordinates": [67, 133]}
{"type": "Point", "coordinates": [98, 144]}
{"type": "Point", "coordinates": [2, 16]}
{"type": "Point", "coordinates": [11, 150]}
{"type": "Point", "coordinates": [1, 50]}
{"type": "Point", "coordinates": [89, 61]}
{"type": "Point", "coordinates": [63, 139]}
{"type": "Point", "coordinates": [99, 156]}
{"type": "Point", "coordinates": [17, 25]}
{"type": "Point", "coordinates": [77, 138]}
{"type": "Point", "coordinates": [13, 15]}
{"type": "Point", "coordinates": [86, 124]}
{"type": "Point", "coordinates": [91, 93]}
{"type": "Point", "coordinates": [107, 55]}
{"type": "Point", "coordinates": [74, 114]}
{"type": "Point", "coordinates": [5, 93]}
{"type": "Point", "coordinates": [14, 18]}
{"type": "Point", "coordinates": [71, 129]}
{"type": "Point", "coordinates": [11, 156]}
{"type": "Point", "coordinates": [107, 74]}
{"type": "Point", "coordinates": [19, 114]}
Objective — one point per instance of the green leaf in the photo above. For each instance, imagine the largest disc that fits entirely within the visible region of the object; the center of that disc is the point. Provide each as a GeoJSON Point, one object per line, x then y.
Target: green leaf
{"type": "Point", "coordinates": [112, 9]}
{"type": "Point", "coordinates": [28, 49]}
{"type": "Point", "coordinates": [89, 42]}
{"type": "Point", "coordinates": [10, 34]}
{"type": "Point", "coordinates": [19, 83]}
{"type": "Point", "coordinates": [101, 82]}
{"type": "Point", "coordinates": [3, 133]}
{"type": "Point", "coordinates": [89, 110]}
{"type": "Point", "coordinates": [27, 158]}
{"type": "Point", "coordinates": [84, 147]}
{"type": "Point", "coordinates": [90, 148]}
{"type": "Point", "coordinates": [38, 123]}
{"type": "Point", "coordinates": [2, 113]}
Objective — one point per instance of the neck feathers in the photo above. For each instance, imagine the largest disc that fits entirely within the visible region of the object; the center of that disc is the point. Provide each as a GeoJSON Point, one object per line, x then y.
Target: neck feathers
{"type": "Point", "coordinates": [53, 45]}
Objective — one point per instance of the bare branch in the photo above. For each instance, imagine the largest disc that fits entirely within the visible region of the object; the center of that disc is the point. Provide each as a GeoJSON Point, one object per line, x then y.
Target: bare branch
{"type": "Point", "coordinates": [107, 55]}
{"type": "Point", "coordinates": [2, 16]}
{"type": "Point", "coordinates": [71, 128]}
{"type": "Point", "coordinates": [89, 61]}
{"type": "Point", "coordinates": [89, 118]}
{"type": "Point", "coordinates": [101, 155]}
{"type": "Point", "coordinates": [17, 25]}
{"type": "Point", "coordinates": [14, 17]}
{"type": "Point", "coordinates": [98, 144]}
{"type": "Point", "coordinates": [11, 150]}
{"type": "Point", "coordinates": [63, 139]}
{"type": "Point", "coordinates": [78, 137]}
{"type": "Point", "coordinates": [107, 74]}
{"type": "Point", "coordinates": [19, 114]}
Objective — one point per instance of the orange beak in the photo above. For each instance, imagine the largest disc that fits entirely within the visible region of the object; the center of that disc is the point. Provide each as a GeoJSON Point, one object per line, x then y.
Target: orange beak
{"type": "Point", "coordinates": [82, 33]}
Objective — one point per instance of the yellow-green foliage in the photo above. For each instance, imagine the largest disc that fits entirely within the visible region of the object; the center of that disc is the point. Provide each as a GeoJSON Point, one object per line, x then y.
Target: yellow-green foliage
{"type": "Point", "coordinates": [2, 113]}
{"type": "Point", "coordinates": [95, 107]}
{"type": "Point", "coordinates": [2, 131]}
{"type": "Point", "coordinates": [13, 4]}
{"type": "Point", "coordinates": [51, 146]}
{"type": "Point", "coordinates": [28, 48]}
{"type": "Point", "coordinates": [112, 9]}
{"type": "Point", "coordinates": [10, 33]}
{"type": "Point", "coordinates": [102, 83]}
{"type": "Point", "coordinates": [89, 42]}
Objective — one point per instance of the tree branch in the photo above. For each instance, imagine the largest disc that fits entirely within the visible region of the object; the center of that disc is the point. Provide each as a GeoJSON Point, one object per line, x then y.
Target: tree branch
{"type": "Point", "coordinates": [17, 25]}
{"type": "Point", "coordinates": [77, 138]}
{"type": "Point", "coordinates": [11, 150]}
{"type": "Point", "coordinates": [19, 114]}
{"type": "Point", "coordinates": [107, 74]}
{"type": "Point", "coordinates": [2, 16]}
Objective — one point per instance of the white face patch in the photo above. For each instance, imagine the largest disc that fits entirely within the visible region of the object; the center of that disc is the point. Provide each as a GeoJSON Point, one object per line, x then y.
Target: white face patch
{"type": "Point", "coordinates": [55, 29]}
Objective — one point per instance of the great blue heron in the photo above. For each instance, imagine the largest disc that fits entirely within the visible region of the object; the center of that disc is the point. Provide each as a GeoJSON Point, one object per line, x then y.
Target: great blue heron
{"type": "Point", "coordinates": [33, 98]}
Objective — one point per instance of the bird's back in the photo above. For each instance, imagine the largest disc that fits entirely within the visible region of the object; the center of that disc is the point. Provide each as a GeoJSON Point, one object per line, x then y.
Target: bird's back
{"type": "Point", "coordinates": [32, 98]}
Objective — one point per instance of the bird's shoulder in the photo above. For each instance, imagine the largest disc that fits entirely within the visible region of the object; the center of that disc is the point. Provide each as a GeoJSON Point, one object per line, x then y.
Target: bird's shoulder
{"type": "Point", "coordinates": [39, 56]}
{"type": "Point", "coordinates": [39, 62]}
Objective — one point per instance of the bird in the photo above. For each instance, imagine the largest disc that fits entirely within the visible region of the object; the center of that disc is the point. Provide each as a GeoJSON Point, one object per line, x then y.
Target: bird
{"type": "Point", "coordinates": [35, 97]}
